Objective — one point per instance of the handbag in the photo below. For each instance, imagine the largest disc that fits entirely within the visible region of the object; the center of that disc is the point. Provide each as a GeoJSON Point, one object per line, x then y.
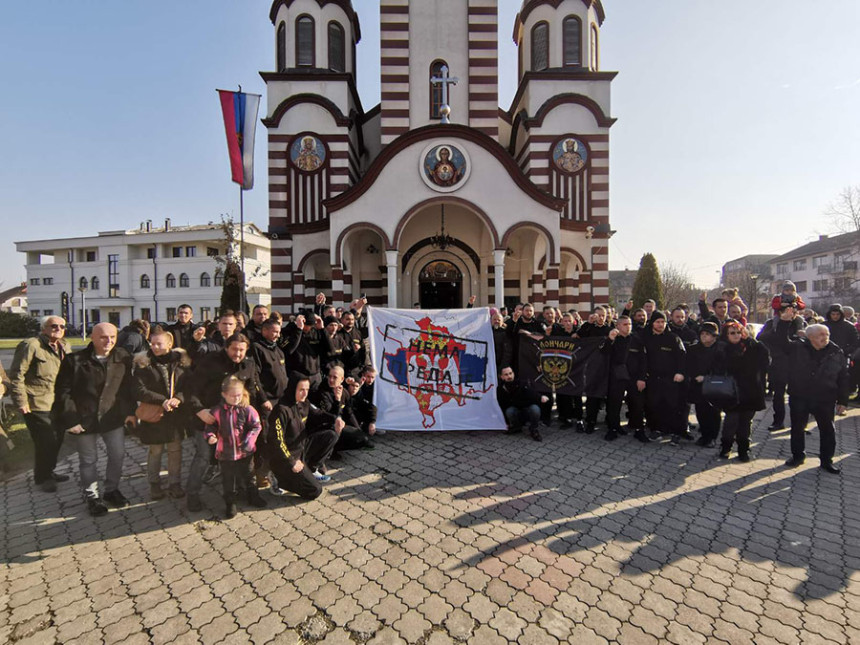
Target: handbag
{"type": "Point", "coordinates": [720, 389]}
{"type": "Point", "coordinates": [153, 412]}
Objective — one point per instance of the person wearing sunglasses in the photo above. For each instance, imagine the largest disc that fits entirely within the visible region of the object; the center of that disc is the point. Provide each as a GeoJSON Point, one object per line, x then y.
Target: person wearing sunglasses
{"type": "Point", "coordinates": [33, 373]}
{"type": "Point", "coordinates": [746, 360]}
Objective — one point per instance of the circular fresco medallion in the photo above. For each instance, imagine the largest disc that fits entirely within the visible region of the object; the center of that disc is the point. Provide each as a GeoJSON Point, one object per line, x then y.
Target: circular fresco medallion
{"type": "Point", "coordinates": [307, 153]}
{"type": "Point", "coordinates": [570, 155]}
{"type": "Point", "coordinates": [444, 167]}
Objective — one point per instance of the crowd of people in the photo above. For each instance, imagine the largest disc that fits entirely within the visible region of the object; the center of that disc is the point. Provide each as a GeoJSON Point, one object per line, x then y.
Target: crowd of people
{"type": "Point", "coordinates": [268, 402]}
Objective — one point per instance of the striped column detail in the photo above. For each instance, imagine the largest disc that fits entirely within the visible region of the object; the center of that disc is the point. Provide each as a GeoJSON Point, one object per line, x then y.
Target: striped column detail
{"type": "Point", "coordinates": [299, 288]}
{"type": "Point", "coordinates": [484, 66]}
{"type": "Point", "coordinates": [585, 301]}
{"type": "Point", "coordinates": [337, 286]}
{"type": "Point", "coordinates": [394, 58]}
{"type": "Point", "coordinates": [569, 293]}
{"type": "Point", "coordinates": [538, 295]}
{"type": "Point", "coordinates": [339, 167]}
{"type": "Point", "coordinates": [600, 274]}
{"type": "Point", "coordinates": [512, 289]}
{"type": "Point", "coordinates": [374, 289]}
{"type": "Point", "coordinates": [282, 272]}
{"type": "Point", "coordinates": [552, 285]}
{"type": "Point", "coordinates": [278, 188]}
{"type": "Point", "coordinates": [347, 288]}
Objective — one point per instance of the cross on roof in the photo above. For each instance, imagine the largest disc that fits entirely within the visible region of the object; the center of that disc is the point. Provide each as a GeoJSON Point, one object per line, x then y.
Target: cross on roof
{"type": "Point", "coordinates": [444, 80]}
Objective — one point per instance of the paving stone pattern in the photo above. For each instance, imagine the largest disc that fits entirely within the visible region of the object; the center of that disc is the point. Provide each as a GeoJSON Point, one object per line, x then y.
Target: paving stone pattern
{"type": "Point", "coordinates": [467, 537]}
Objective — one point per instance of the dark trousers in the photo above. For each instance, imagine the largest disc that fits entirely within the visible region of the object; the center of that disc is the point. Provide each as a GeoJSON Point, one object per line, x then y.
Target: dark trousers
{"type": "Point", "coordinates": [708, 417]}
{"type": "Point", "coordinates": [46, 444]}
{"type": "Point", "coordinates": [778, 388]}
{"type": "Point", "coordinates": [517, 417]}
{"type": "Point", "coordinates": [569, 406]}
{"type": "Point", "coordinates": [546, 410]}
{"type": "Point", "coordinates": [592, 408]}
{"type": "Point", "coordinates": [235, 476]}
{"type": "Point", "coordinates": [352, 438]}
{"type": "Point", "coordinates": [823, 413]}
{"type": "Point", "coordinates": [618, 391]}
{"type": "Point", "coordinates": [318, 447]}
{"type": "Point", "coordinates": [665, 405]}
{"type": "Point", "coordinates": [635, 407]}
{"type": "Point", "coordinates": [737, 427]}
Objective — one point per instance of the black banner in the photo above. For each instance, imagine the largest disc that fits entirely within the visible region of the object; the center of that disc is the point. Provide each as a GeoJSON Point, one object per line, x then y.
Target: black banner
{"type": "Point", "coordinates": [560, 364]}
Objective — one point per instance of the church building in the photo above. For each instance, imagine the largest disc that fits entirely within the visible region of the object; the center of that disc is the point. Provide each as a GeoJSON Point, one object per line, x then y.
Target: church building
{"type": "Point", "coordinates": [437, 194]}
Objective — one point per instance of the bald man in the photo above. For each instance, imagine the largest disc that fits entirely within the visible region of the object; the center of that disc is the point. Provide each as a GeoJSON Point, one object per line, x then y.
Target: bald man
{"type": "Point", "coordinates": [33, 373]}
{"type": "Point", "coordinates": [94, 398]}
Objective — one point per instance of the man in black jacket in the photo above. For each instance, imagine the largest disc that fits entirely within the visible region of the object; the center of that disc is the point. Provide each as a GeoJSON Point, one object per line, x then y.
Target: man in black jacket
{"type": "Point", "coordinates": [186, 335]}
{"type": "Point", "coordinates": [301, 438]}
{"type": "Point", "coordinates": [787, 323]}
{"type": "Point", "coordinates": [272, 374]}
{"type": "Point", "coordinates": [206, 378]}
{"type": "Point", "coordinates": [818, 379]}
{"type": "Point", "coordinates": [625, 353]}
{"type": "Point", "coordinates": [303, 342]}
{"type": "Point", "coordinates": [254, 329]}
{"type": "Point", "coordinates": [519, 403]}
{"type": "Point", "coordinates": [93, 397]}
{"type": "Point", "coordinates": [842, 333]}
{"type": "Point", "coordinates": [354, 354]}
{"type": "Point", "coordinates": [662, 373]}
{"type": "Point", "coordinates": [227, 324]}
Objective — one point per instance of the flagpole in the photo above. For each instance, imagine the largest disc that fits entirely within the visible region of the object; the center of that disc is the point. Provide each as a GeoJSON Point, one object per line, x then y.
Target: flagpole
{"type": "Point", "coordinates": [242, 298]}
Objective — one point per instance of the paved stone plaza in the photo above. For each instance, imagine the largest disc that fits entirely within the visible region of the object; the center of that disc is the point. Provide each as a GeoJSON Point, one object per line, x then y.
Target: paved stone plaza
{"type": "Point", "coordinates": [438, 538]}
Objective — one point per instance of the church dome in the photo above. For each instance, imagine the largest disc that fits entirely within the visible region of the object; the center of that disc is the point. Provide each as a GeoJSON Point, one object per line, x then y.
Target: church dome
{"type": "Point", "coordinates": [559, 34]}
{"type": "Point", "coordinates": [317, 35]}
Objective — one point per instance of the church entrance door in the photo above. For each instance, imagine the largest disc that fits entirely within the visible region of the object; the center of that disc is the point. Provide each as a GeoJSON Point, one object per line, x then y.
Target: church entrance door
{"type": "Point", "coordinates": [440, 286]}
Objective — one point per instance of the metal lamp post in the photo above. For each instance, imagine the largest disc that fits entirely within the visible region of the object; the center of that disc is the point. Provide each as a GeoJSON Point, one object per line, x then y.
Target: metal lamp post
{"type": "Point", "coordinates": [754, 278]}
{"type": "Point", "coordinates": [83, 291]}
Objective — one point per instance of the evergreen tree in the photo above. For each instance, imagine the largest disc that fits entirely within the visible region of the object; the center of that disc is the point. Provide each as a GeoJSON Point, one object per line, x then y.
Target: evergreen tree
{"type": "Point", "coordinates": [231, 291]}
{"type": "Point", "coordinates": [648, 284]}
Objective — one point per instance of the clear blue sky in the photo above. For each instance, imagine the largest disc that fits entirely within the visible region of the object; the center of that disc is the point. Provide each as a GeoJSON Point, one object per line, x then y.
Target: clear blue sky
{"type": "Point", "coordinates": [737, 121]}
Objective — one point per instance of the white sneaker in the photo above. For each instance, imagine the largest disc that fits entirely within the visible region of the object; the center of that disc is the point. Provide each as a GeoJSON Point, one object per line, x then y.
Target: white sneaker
{"type": "Point", "coordinates": [320, 477]}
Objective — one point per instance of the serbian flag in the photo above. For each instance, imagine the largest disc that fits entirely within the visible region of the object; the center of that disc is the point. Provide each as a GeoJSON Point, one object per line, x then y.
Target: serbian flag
{"type": "Point", "coordinates": [240, 123]}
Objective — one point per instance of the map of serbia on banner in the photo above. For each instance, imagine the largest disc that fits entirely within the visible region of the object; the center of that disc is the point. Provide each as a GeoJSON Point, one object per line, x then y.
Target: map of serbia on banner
{"type": "Point", "coordinates": [437, 369]}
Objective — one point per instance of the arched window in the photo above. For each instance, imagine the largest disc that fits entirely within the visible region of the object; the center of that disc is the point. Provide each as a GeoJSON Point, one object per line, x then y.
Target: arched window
{"type": "Point", "coordinates": [205, 280]}
{"type": "Point", "coordinates": [305, 42]}
{"type": "Point", "coordinates": [336, 47]}
{"type": "Point", "coordinates": [144, 281]}
{"type": "Point", "coordinates": [540, 46]}
{"type": "Point", "coordinates": [94, 283]}
{"type": "Point", "coordinates": [595, 51]}
{"type": "Point", "coordinates": [436, 89]}
{"type": "Point", "coordinates": [572, 36]}
{"type": "Point", "coordinates": [83, 284]}
{"type": "Point", "coordinates": [183, 280]}
{"type": "Point", "coordinates": [219, 278]}
{"type": "Point", "coordinates": [281, 47]}
{"type": "Point", "coordinates": [170, 281]}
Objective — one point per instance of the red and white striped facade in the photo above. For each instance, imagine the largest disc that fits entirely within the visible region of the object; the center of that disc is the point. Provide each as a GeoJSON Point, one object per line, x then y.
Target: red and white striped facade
{"type": "Point", "coordinates": [360, 221]}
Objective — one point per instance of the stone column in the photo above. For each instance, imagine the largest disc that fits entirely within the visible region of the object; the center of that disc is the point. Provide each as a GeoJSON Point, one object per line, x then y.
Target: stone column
{"type": "Point", "coordinates": [391, 259]}
{"type": "Point", "coordinates": [499, 269]}
{"type": "Point", "coordinates": [552, 285]}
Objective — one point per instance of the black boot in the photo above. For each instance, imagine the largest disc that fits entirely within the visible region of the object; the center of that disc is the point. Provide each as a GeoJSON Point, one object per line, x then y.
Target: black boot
{"type": "Point", "coordinates": [641, 435]}
{"type": "Point", "coordinates": [229, 509]}
{"type": "Point", "coordinates": [611, 435]}
{"type": "Point", "coordinates": [255, 500]}
{"type": "Point", "coordinates": [580, 427]}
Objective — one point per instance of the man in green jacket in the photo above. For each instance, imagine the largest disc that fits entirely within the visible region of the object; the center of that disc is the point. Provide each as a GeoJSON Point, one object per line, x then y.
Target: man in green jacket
{"type": "Point", "coordinates": [33, 373]}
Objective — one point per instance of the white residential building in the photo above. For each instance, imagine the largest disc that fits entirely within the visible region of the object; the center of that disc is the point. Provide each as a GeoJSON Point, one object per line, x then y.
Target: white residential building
{"type": "Point", "coordinates": [141, 273]}
{"type": "Point", "coordinates": [824, 271]}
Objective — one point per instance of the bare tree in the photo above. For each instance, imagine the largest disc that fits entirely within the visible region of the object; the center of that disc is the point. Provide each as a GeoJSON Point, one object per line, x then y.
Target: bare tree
{"type": "Point", "coordinates": [844, 212]}
{"type": "Point", "coordinates": [678, 286]}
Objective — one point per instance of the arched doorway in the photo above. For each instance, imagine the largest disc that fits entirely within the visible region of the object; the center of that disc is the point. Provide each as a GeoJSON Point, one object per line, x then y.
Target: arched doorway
{"type": "Point", "coordinates": [440, 285]}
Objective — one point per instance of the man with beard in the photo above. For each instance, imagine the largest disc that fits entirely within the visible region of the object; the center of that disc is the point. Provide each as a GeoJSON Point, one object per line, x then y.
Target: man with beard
{"type": "Point", "coordinates": [526, 323]}
{"type": "Point", "coordinates": [354, 354]}
{"type": "Point", "coordinates": [301, 438]}
{"type": "Point", "coordinates": [206, 378]}
{"type": "Point", "coordinates": [254, 329]}
{"type": "Point", "coordinates": [553, 327]}
{"type": "Point", "coordinates": [662, 372]}
{"type": "Point", "coordinates": [519, 402]}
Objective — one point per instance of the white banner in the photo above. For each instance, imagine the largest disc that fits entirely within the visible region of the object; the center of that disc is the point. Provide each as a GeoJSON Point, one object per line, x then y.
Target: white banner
{"type": "Point", "coordinates": [437, 369]}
